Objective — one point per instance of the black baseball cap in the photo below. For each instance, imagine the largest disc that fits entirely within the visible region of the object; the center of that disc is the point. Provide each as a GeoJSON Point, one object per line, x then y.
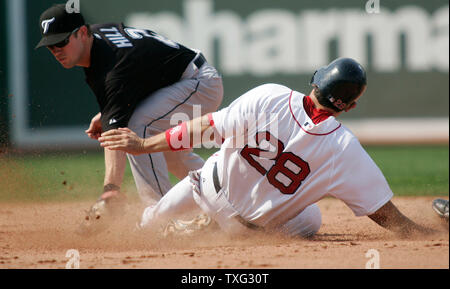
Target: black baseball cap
{"type": "Point", "coordinates": [57, 24]}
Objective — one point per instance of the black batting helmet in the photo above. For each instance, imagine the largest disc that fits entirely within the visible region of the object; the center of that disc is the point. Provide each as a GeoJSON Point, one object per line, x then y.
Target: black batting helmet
{"type": "Point", "coordinates": [340, 82]}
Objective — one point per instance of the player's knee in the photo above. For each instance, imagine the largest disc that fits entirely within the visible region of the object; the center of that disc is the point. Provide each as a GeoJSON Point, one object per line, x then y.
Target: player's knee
{"type": "Point", "coordinates": [306, 224]}
{"type": "Point", "coordinates": [314, 223]}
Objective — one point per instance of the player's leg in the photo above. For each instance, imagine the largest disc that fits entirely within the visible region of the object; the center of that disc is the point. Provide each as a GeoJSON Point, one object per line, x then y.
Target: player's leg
{"type": "Point", "coordinates": [189, 160]}
{"type": "Point", "coordinates": [215, 202]}
{"type": "Point", "coordinates": [150, 176]}
{"type": "Point", "coordinates": [198, 92]}
{"type": "Point", "coordinates": [306, 224]}
{"type": "Point", "coordinates": [178, 203]}
{"type": "Point", "coordinates": [151, 117]}
{"type": "Point", "coordinates": [207, 98]}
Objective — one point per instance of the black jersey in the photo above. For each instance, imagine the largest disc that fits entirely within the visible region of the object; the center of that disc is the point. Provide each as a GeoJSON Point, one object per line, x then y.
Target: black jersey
{"type": "Point", "coordinates": [127, 64]}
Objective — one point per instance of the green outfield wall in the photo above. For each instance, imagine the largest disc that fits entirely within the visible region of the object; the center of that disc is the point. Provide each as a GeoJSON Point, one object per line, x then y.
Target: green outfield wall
{"type": "Point", "coordinates": [403, 45]}
{"type": "Point", "coordinates": [3, 72]}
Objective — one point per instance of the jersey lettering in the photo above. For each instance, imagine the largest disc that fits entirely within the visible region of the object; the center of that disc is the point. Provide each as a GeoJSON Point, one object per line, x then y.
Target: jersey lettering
{"type": "Point", "coordinates": [116, 37]}
{"type": "Point", "coordinates": [141, 33]}
{"type": "Point", "coordinates": [137, 33]}
{"type": "Point", "coordinates": [279, 169]}
{"type": "Point", "coordinates": [271, 153]}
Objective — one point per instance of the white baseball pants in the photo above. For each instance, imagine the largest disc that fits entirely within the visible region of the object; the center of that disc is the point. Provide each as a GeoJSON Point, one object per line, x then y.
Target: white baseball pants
{"type": "Point", "coordinates": [198, 88]}
{"type": "Point", "coordinates": [182, 202]}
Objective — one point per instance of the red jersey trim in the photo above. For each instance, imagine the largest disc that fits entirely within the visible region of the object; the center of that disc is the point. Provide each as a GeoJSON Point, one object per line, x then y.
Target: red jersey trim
{"type": "Point", "coordinates": [311, 133]}
{"type": "Point", "coordinates": [316, 115]}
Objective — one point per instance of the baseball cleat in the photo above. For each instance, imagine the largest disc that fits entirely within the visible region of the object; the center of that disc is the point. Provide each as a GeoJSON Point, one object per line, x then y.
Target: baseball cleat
{"type": "Point", "coordinates": [186, 228]}
{"type": "Point", "coordinates": [440, 206]}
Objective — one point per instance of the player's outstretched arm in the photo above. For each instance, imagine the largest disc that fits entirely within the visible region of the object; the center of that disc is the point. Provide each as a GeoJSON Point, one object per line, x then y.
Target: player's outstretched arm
{"type": "Point", "coordinates": [126, 140]}
{"type": "Point", "coordinates": [392, 219]}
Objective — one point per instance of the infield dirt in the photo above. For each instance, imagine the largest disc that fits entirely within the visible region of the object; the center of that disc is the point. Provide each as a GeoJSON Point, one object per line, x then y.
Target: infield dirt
{"type": "Point", "coordinates": [39, 236]}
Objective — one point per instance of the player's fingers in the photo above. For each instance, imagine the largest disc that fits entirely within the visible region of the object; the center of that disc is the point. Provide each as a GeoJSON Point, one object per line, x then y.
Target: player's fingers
{"type": "Point", "coordinates": [112, 144]}
{"type": "Point", "coordinates": [110, 138]}
{"type": "Point", "coordinates": [117, 134]}
{"type": "Point", "coordinates": [91, 127]}
{"type": "Point", "coordinates": [112, 132]}
{"type": "Point", "coordinates": [128, 132]}
{"type": "Point", "coordinates": [93, 131]}
{"type": "Point", "coordinates": [119, 130]}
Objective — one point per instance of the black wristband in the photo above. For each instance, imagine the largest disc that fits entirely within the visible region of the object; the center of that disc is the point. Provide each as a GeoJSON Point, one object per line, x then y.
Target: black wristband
{"type": "Point", "coordinates": [110, 187]}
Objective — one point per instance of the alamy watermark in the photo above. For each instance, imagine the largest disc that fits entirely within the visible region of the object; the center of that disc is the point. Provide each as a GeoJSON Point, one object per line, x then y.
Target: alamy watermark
{"type": "Point", "coordinates": [74, 261]}
{"type": "Point", "coordinates": [373, 6]}
{"type": "Point", "coordinates": [73, 6]}
{"type": "Point", "coordinates": [374, 261]}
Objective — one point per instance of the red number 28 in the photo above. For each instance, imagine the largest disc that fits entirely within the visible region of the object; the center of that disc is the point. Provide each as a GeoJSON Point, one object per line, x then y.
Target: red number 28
{"type": "Point", "coordinates": [281, 159]}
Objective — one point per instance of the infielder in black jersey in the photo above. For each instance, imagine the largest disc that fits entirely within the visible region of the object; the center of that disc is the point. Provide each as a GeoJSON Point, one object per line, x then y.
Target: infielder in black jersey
{"type": "Point", "coordinates": [141, 80]}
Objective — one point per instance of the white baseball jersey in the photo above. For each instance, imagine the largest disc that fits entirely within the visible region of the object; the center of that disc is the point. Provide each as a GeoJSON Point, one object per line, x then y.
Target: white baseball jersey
{"type": "Point", "coordinates": [275, 161]}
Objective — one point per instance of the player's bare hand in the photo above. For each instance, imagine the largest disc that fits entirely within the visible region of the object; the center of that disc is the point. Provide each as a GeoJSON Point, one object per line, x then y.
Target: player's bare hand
{"type": "Point", "coordinates": [122, 139]}
{"type": "Point", "coordinates": [95, 128]}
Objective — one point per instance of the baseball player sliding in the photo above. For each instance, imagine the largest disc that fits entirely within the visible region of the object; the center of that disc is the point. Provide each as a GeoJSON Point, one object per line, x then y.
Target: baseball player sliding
{"type": "Point", "coordinates": [282, 152]}
{"type": "Point", "coordinates": [140, 79]}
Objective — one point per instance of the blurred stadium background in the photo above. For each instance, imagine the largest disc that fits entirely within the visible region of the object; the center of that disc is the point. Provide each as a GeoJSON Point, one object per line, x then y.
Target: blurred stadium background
{"type": "Point", "coordinates": [403, 44]}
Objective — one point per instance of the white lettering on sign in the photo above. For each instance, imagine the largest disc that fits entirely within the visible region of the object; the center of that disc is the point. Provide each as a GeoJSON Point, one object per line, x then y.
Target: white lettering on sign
{"type": "Point", "coordinates": [271, 41]}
